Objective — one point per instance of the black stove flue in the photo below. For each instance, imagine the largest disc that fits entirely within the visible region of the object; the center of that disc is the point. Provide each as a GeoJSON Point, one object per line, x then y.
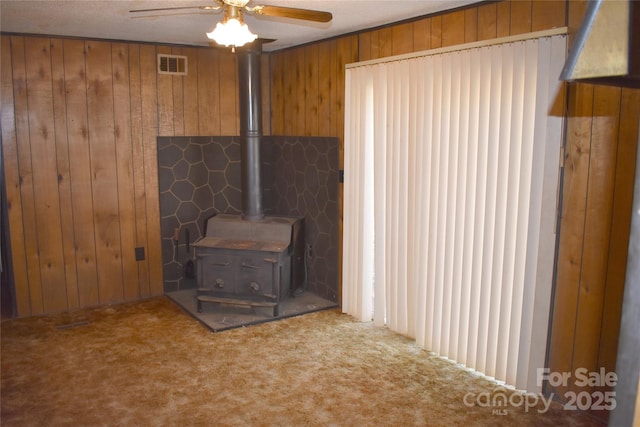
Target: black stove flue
{"type": "Point", "coordinates": [250, 129]}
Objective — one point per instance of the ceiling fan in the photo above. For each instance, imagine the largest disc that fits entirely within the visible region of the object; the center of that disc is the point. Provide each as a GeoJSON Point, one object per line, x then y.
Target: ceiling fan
{"type": "Point", "coordinates": [232, 31]}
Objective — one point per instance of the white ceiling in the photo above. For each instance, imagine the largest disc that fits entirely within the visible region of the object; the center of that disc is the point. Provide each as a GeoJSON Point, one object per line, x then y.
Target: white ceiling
{"type": "Point", "coordinates": [112, 20]}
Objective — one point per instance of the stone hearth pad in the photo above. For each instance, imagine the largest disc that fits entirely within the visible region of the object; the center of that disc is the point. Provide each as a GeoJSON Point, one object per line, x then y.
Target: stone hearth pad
{"type": "Point", "coordinates": [219, 317]}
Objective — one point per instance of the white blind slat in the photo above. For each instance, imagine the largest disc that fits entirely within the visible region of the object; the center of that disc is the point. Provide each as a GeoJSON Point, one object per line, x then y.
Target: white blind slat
{"type": "Point", "coordinates": [453, 195]}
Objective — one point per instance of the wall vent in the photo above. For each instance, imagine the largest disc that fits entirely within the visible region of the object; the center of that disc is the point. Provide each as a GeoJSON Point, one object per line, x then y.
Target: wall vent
{"type": "Point", "coordinates": [172, 64]}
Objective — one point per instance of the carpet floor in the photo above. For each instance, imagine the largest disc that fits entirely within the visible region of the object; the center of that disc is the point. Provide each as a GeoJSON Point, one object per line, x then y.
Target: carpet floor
{"type": "Point", "coordinates": [151, 364]}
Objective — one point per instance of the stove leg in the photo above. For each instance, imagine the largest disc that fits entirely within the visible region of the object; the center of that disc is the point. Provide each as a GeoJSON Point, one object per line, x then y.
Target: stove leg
{"type": "Point", "coordinates": [276, 311]}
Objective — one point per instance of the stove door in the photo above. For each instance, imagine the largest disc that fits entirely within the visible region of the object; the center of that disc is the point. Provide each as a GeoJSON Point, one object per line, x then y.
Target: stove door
{"type": "Point", "coordinates": [217, 271]}
{"type": "Point", "coordinates": [256, 275]}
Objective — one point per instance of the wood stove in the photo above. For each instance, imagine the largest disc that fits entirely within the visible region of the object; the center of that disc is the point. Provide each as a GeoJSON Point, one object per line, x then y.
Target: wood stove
{"type": "Point", "coordinates": [252, 263]}
{"type": "Point", "coordinates": [250, 259]}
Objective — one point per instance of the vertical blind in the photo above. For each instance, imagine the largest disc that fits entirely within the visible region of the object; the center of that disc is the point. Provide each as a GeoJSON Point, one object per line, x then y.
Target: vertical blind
{"type": "Point", "coordinates": [451, 175]}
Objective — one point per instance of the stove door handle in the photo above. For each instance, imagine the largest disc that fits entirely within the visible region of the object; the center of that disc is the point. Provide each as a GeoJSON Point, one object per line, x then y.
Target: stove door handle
{"type": "Point", "coordinates": [220, 264]}
{"type": "Point", "coordinates": [244, 264]}
{"type": "Point", "coordinates": [271, 260]}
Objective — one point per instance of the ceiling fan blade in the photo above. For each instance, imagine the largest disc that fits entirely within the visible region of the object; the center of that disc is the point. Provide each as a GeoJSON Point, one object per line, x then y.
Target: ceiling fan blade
{"type": "Point", "coordinates": [292, 12]}
{"type": "Point", "coordinates": [163, 9]}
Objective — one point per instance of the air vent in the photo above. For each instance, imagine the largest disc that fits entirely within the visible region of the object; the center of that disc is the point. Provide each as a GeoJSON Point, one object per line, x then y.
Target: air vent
{"type": "Point", "coordinates": [172, 64]}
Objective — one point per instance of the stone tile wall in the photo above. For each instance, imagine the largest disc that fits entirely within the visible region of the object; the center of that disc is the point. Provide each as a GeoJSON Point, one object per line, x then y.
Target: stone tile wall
{"type": "Point", "coordinates": [200, 177]}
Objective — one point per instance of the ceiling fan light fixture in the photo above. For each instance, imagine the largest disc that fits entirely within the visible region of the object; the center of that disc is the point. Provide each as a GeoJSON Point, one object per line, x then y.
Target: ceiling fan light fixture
{"type": "Point", "coordinates": [232, 31]}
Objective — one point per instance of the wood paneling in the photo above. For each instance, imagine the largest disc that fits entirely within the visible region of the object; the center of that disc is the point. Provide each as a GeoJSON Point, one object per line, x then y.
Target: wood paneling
{"type": "Point", "coordinates": [10, 157]}
{"type": "Point", "coordinates": [64, 172]}
{"type": "Point", "coordinates": [602, 131]}
{"type": "Point", "coordinates": [227, 83]}
{"type": "Point", "coordinates": [548, 14]}
{"type": "Point", "coordinates": [137, 159]}
{"type": "Point", "coordinates": [620, 223]}
{"type": "Point", "coordinates": [487, 21]}
{"type": "Point", "coordinates": [79, 125]}
{"type": "Point", "coordinates": [421, 34]}
{"type": "Point", "coordinates": [42, 155]}
{"type": "Point", "coordinates": [599, 170]}
{"type": "Point", "coordinates": [104, 183]}
{"type": "Point", "coordinates": [453, 28]}
{"type": "Point", "coordinates": [80, 177]}
{"type": "Point", "coordinates": [124, 167]}
{"type": "Point", "coordinates": [402, 39]}
{"type": "Point", "coordinates": [470, 25]}
{"type": "Point", "coordinates": [576, 171]}
{"type": "Point", "coordinates": [190, 94]}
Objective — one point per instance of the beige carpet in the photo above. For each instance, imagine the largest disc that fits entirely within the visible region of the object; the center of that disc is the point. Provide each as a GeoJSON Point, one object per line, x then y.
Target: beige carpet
{"type": "Point", "coordinates": [151, 364]}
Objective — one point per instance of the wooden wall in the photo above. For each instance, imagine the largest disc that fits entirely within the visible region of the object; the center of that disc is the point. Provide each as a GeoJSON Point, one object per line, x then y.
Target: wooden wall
{"type": "Point", "coordinates": [79, 125]}
{"type": "Point", "coordinates": [600, 163]}
{"type": "Point", "coordinates": [602, 129]}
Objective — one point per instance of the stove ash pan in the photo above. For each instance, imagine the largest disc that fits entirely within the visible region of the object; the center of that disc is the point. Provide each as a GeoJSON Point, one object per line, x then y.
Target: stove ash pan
{"type": "Point", "coordinates": [252, 263]}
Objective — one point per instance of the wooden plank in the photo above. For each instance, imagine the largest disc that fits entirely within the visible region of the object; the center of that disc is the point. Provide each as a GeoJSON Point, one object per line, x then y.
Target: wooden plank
{"type": "Point", "coordinates": [402, 38]}
{"type": "Point", "coordinates": [214, 81]}
{"type": "Point", "coordinates": [208, 93]}
{"type": "Point", "coordinates": [177, 83]}
{"type": "Point", "coordinates": [124, 168]}
{"type": "Point", "coordinates": [137, 161]}
{"type": "Point", "coordinates": [453, 28]}
{"type": "Point", "coordinates": [228, 84]}
{"type": "Point", "coordinates": [597, 231]}
{"type": "Point", "coordinates": [335, 97]}
{"type": "Point", "coordinates": [572, 223]}
{"type": "Point", "coordinates": [626, 168]}
{"type": "Point", "coordinates": [42, 134]}
{"type": "Point", "coordinates": [436, 32]}
{"type": "Point", "coordinates": [385, 42]}
{"type": "Point", "coordinates": [374, 50]}
{"type": "Point", "coordinates": [80, 167]}
{"type": "Point", "coordinates": [347, 51]}
{"type": "Point", "coordinates": [576, 11]}
{"type": "Point", "coordinates": [312, 82]}
{"type": "Point", "coordinates": [521, 16]}
{"type": "Point", "coordinates": [604, 141]}
{"type": "Point", "coordinates": [299, 92]}
{"type": "Point", "coordinates": [190, 92]}
{"type": "Point", "coordinates": [277, 93]}
{"type": "Point", "coordinates": [165, 98]}
{"type": "Point", "coordinates": [10, 159]}
{"type": "Point", "coordinates": [325, 84]}
{"type": "Point", "coordinates": [103, 171]}
{"type": "Point", "coordinates": [289, 92]}
{"type": "Point", "coordinates": [487, 21]}
{"type": "Point", "coordinates": [64, 173]}
{"type": "Point", "coordinates": [470, 25]}
{"type": "Point", "coordinates": [265, 69]}
{"type": "Point", "coordinates": [27, 193]}
{"type": "Point", "coordinates": [148, 92]}
{"type": "Point", "coordinates": [503, 19]}
{"type": "Point", "coordinates": [364, 46]}
{"type": "Point", "coordinates": [422, 34]}
{"type": "Point", "coordinates": [548, 14]}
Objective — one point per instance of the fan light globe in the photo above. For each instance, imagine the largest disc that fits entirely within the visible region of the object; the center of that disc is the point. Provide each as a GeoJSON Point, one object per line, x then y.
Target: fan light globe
{"type": "Point", "coordinates": [232, 32]}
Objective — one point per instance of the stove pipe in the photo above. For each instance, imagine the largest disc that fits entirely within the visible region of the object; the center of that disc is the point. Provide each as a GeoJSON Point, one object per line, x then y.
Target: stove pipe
{"type": "Point", "coordinates": [250, 129]}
